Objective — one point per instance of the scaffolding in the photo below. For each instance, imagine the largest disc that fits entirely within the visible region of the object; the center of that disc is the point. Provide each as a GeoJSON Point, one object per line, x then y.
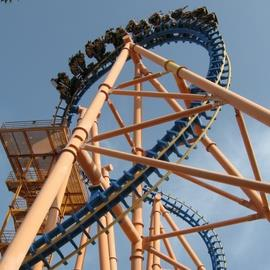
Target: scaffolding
{"type": "Point", "coordinates": [32, 148]}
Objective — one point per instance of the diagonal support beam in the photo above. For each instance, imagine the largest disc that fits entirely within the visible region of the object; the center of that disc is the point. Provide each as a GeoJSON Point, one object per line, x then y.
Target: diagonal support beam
{"type": "Point", "coordinates": [167, 259]}
{"type": "Point", "coordinates": [160, 88]}
{"type": "Point", "coordinates": [219, 191]}
{"type": "Point", "coordinates": [153, 122]}
{"type": "Point", "coordinates": [142, 79]}
{"type": "Point", "coordinates": [194, 257]}
{"type": "Point", "coordinates": [91, 170]}
{"type": "Point", "coordinates": [169, 166]}
{"type": "Point", "coordinates": [251, 108]}
{"type": "Point", "coordinates": [169, 95]}
{"type": "Point", "coordinates": [251, 155]}
{"type": "Point", "coordinates": [120, 121]}
{"type": "Point", "coordinates": [206, 227]}
{"type": "Point", "coordinates": [168, 246]}
{"type": "Point", "coordinates": [183, 87]}
{"type": "Point", "coordinates": [212, 148]}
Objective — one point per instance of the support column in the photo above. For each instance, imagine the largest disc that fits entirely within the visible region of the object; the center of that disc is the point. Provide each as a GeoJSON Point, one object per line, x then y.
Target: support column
{"type": "Point", "coordinates": [150, 244]}
{"type": "Point", "coordinates": [156, 214]}
{"type": "Point", "coordinates": [137, 249]}
{"type": "Point", "coordinates": [109, 219]}
{"type": "Point", "coordinates": [18, 248]}
{"type": "Point", "coordinates": [104, 259]}
{"type": "Point", "coordinates": [92, 172]}
{"type": "Point", "coordinates": [252, 159]}
{"type": "Point", "coordinates": [80, 257]}
{"type": "Point", "coordinates": [54, 216]}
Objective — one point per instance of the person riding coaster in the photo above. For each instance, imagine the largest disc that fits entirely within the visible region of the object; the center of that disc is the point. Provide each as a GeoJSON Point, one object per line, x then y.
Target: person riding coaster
{"type": "Point", "coordinates": [77, 63]}
{"type": "Point", "coordinates": [96, 49]}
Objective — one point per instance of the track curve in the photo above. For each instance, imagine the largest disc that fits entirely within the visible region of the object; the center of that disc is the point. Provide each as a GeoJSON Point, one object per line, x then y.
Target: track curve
{"type": "Point", "coordinates": [193, 218]}
{"type": "Point", "coordinates": [172, 142]}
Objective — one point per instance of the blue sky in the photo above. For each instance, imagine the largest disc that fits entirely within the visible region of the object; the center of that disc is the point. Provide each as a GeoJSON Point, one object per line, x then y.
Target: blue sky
{"type": "Point", "coordinates": [38, 37]}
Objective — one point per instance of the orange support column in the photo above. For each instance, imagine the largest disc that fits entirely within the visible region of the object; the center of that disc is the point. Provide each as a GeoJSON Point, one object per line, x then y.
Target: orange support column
{"type": "Point", "coordinates": [18, 248]}
{"type": "Point", "coordinates": [104, 258]}
{"type": "Point", "coordinates": [53, 216]}
{"type": "Point", "coordinates": [150, 244]}
{"type": "Point", "coordinates": [80, 258]}
{"type": "Point", "coordinates": [92, 172]}
{"type": "Point", "coordinates": [175, 167]}
{"type": "Point", "coordinates": [156, 214]}
{"type": "Point", "coordinates": [137, 249]}
{"type": "Point", "coordinates": [109, 218]}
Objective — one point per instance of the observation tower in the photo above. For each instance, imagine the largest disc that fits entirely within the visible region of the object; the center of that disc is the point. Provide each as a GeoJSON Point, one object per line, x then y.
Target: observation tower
{"type": "Point", "coordinates": [94, 178]}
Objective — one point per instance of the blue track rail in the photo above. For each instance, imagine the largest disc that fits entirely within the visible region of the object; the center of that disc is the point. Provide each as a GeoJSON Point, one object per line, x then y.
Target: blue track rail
{"type": "Point", "coordinates": [171, 144]}
{"type": "Point", "coordinates": [191, 216]}
{"type": "Point", "coordinates": [192, 31]}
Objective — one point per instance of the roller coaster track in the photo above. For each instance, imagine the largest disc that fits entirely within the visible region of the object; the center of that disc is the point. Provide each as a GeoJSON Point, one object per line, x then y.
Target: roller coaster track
{"type": "Point", "coordinates": [192, 31]}
{"type": "Point", "coordinates": [177, 138]}
{"type": "Point", "coordinates": [191, 216]}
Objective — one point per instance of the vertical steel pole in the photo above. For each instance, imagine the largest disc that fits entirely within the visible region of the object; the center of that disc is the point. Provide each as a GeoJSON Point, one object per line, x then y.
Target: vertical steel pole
{"type": "Point", "coordinates": [137, 249]}
{"type": "Point", "coordinates": [151, 233]}
{"type": "Point", "coordinates": [109, 218]}
{"type": "Point", "coordinates": [156, 214]}
{"type": "Point", "coordinates": [80, 257]}
{"type": "Point", "coordinates": [104, 259]}
{"type": "Point", "coordinates": [92, 172]}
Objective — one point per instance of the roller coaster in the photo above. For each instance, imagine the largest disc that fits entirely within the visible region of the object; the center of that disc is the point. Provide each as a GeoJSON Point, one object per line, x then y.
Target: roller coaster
{"type": "Point", "coordinates": [65, 199]}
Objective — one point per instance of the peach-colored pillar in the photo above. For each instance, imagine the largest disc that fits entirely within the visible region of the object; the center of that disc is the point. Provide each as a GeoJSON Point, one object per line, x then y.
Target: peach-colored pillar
{"type": "Point", "coordinates": [92, 172]}
{"type": "Point", "coordinates": [111, 243]}
{"type": "Point", "coordinates": [156, 213]}
{"type": "Point", "coordinates": [104, 257]}
{"type": "Point", "coordinates": [137, 219]}
{"type": "Point", "coordinates": [18, 248]}
{"type": "Point", "coordinates": [80, 257]}
{"type": "Point", "coordinates": [149, 262]}
{"type": "Point", "coordinates": [109, 219]}
{"type": "Point", "coordinates": [53, 216]}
